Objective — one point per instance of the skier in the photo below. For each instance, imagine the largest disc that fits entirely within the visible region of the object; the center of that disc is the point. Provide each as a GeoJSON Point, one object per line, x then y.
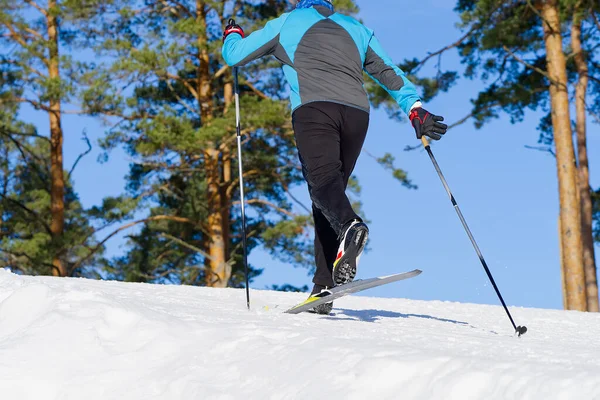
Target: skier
{"type": "Point", "coordinates": [324, 55]}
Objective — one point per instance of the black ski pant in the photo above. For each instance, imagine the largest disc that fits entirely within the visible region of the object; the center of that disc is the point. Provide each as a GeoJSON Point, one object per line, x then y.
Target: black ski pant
{"type": "Point", "coordinates": [329, 137]}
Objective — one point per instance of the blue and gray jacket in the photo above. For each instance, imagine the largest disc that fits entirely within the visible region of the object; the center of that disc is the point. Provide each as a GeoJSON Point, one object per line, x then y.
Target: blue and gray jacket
{"type": "Point", "coordinates": [324, 54]}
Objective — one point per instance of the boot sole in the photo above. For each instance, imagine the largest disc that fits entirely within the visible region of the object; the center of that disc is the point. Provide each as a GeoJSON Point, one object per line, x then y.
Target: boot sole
{"type": "Point", "coordinates": [323, 309]}
{"type": "Point", "coordinates": [344, 270]}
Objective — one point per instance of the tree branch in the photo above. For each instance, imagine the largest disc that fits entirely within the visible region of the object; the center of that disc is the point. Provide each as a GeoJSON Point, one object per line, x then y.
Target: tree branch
{"type": "Point", "coordinates": [534, 68]}
{"type": "Point", "coordinates": [269, 204]}
{"type": "Point", "coordinates": [473, 29]}
{"type": "Point", "coordinates": [85, 153]}
{"type": "Point", "coordinates": [471, 115]}
{"type": "Point", "coordinates": [34, 103]}
{"type": "Point", "coordinates": [538, 13]}
{"type": "Point", "coordinates": [179, 99]}
{"type": "Point", "coordinates": [189, 246]}
{"type": "Point", "coordinates": [22, 149]}
{"type": "Point", "coordinates": [444, 49]}
{"type": "Point", "coordinates": [96, 248]}
{"type": "Point", "coordinates": [221, 72]}
{"type": "Point", "coordinates": [184, 82]}
{"type": "Point", "coordinates": [29, 211]}
{"type": "Point", "coordinates": [27, 256]}
{"type": "Point", "coordinates": [26, 135]}
{"type": "Point", "coordinates": [15, 35]}
{"type": "Point", "coordinates": [595, 18]}
{"type": "Point", "coordinates": [179, 6]}
{"type": "Point", "coordinates": [545, 149]}
{"type": "Point", "coordinates": [256, 91]}
{"type": "Point", "coordinates": [34, 33]}
{"type": "Point", "coordinates": [25, 66]}
{"type": "Point", "coordinates": [40, 9]}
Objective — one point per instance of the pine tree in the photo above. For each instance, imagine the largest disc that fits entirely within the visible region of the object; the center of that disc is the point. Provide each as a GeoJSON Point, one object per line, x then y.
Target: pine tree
{"type": "Point", "coordinates": [27, 244]}
{"type": "Point", "coordinates": [176, 120]}
{"type": "Point", "coordinates": [34, 35]}
{"type": "Point", "coordinates": [582, 10]}
{"type": "Point", "coordinates": [518, 48]}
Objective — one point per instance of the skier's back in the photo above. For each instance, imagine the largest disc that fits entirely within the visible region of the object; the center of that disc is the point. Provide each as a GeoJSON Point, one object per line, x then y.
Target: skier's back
{"type": "Point", "coordinates": [324, 55]}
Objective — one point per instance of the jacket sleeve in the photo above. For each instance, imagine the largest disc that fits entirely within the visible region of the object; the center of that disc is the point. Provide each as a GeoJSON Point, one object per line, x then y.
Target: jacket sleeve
{"type": "Point", "coordinates": [382, 70]}
{"type": "Point", "coordinates": [238, 51]}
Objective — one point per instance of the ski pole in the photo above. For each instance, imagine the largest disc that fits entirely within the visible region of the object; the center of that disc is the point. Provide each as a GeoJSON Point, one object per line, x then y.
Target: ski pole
{"type": "Point", "coordinates": [241, 170]}
{"type": "Point", "coordinates": [520, 330]}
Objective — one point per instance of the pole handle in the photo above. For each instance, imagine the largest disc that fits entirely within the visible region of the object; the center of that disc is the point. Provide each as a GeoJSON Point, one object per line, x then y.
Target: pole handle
{"type": "Point", "coordinates": [424, 141]}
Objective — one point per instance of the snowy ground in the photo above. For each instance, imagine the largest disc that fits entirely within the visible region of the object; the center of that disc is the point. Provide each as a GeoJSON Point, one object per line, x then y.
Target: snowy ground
{"type": "Point", "coordinates": [85, 340]}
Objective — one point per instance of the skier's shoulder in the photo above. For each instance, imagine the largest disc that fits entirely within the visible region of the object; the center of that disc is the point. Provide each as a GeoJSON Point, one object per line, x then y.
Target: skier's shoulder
{"type": "Point", "coordinates": [280, 20]}
{"type": "Point", "coordinates": [276, 24]}
{"type": "Point", "coordinates": [350, 22]}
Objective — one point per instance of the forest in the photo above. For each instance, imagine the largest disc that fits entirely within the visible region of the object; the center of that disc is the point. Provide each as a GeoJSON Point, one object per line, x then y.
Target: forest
{"type": "Point", "coordinates": [151, 72]}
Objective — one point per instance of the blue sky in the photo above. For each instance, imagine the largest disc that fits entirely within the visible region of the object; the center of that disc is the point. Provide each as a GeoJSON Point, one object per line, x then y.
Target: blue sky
{"type": "Point", "coordinates": [507, 193]}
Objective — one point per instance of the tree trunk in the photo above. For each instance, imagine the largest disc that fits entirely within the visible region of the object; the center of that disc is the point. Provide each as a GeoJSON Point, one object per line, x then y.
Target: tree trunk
{"type": "Point", "coordinates": [204, 88]}
{"type": "Point", "coordinates": [57, 189]}
{"type": "Point", "coordinates": [570, 209]}
{"type": "Point", "coordinates": [218, 270]}
{"type": "Point", "coordinates": [589, 261]}
{"type": "Point", "coordinates": [225, 197]}
{"type": "Point", "coordinates": [220, 223]}
{"type": "Point", "coordinates": [563, 282]}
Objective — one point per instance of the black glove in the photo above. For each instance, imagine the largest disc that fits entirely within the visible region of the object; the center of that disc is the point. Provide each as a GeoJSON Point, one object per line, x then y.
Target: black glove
{"type": "Point", "coordinates": [232, 27]}
{"type": "Point", "coordinates": [427, 124]}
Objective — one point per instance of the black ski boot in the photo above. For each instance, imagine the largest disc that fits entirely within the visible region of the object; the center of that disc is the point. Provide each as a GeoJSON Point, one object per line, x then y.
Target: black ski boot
{"type": "Point", "coordinates": [323, 309]}
{"type": "Point", "coordinates": [352, 244]}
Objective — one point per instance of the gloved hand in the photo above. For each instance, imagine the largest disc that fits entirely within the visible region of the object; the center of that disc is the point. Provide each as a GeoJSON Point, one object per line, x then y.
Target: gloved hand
{"type": "Point", "coordinates": [427, 124]}
{"type": "Point", "coordinates": [232, 27]}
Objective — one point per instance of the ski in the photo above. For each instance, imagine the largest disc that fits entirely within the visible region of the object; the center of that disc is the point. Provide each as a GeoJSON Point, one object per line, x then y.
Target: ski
{"type": "Point", "coordinates": [350, 288]}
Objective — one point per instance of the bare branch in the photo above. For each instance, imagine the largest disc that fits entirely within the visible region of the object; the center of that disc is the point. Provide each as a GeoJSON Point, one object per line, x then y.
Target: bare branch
{"type": "Point", "coordinates": [594, 78]}
{"type": "Point", "coordinates": [534, 68]}
{"type": "Point", "coordinates": [221, 72]}
{"type": "Point", "coordinates": [471, 115]}
{"type": "Point", "coordinates": [34, 33]}
{"type": "Point", "coordinates": [178, 6]}
{"type": "Point", "coordinates": [545, 149]}
{"type": "Point", "coordinates": [25, 66]}
{"type": "Point", "coordinates": [85, 153]}
{"type": "Point", "coordinates": [184, 82]}
{"type": "Point", "coordinates": [269, 204]}
{"type": "Point", "coordinates": [189, 246]}
{"type": "Point", "coordinates": [298, 201]}
{"type": "Point", "coordinates": [255, 90]}
{"type": "Point", "coordinates": [538, 13]}
{"type": "Point", "coordinates": [473, 29]}
{"type": "Point", "coordinates": [16, 36]}
{"type": "Point", "coordinates": [179, 99]}
{"type": "Point", "coordinates": [39, 8]}
{"type": "Point", "coordinates": [444, 49]}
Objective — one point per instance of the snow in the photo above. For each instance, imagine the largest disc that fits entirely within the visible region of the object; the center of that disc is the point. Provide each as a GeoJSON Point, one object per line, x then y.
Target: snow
{"type": "Point", "coordinates": [85, 340]}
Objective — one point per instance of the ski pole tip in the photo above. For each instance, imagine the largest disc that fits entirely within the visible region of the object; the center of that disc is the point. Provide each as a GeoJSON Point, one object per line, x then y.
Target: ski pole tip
{"type": "Point", "coordinates": [521, 330]}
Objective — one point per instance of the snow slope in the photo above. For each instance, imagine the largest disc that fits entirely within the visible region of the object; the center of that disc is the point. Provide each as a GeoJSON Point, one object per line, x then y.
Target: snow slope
{"type": "Point", "coordinates": [85, 340]}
